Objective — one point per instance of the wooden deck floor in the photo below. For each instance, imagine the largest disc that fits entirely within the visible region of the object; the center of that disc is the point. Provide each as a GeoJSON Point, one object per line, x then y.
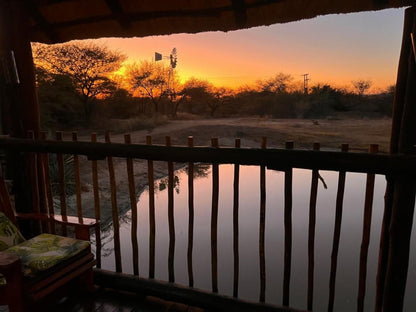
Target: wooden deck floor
{"type": "Point", "coordinates": [103, 300]}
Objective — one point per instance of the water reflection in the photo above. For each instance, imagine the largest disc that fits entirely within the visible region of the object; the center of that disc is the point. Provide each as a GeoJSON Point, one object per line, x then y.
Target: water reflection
{"type": "Point", "coordinates": [200, 171]}
{"type": "Point", "coordinates": [249, 262]}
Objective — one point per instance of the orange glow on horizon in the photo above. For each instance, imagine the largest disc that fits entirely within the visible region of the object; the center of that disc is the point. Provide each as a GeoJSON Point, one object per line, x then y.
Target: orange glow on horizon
{"type": "Point", "coordinates": [334, 49]}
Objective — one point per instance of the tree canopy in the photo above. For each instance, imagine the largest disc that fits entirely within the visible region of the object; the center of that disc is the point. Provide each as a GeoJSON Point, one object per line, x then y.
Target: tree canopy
{"type": "Point", "coordinates": [280, 83]}
{"type": "Point", "coordinates": [88, 65]}
{"type": "Point", "coordinates": [361, 86]}
{"type": "Point", "coordinates": [149, 79]}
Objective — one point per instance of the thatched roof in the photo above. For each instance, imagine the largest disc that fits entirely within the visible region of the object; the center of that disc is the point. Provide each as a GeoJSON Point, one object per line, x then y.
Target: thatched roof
{"type": "Point", "coordinates": [63, 20]}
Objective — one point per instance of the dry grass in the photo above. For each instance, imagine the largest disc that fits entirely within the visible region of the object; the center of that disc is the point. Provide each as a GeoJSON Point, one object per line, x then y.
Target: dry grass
{"type": "Point", "coordinates": [359, 133]}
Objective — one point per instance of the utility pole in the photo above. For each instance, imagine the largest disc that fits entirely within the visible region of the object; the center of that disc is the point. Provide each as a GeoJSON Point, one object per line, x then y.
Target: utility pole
{"type": "Point", "coordinates": [305, 83]}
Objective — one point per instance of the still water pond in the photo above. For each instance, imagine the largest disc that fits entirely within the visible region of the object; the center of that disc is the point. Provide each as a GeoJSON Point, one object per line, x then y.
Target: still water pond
{"type": "Point", "coordinates": [249, 281]}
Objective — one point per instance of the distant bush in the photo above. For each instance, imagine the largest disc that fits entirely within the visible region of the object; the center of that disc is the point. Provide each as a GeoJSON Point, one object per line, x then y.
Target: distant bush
{"type": "Point", "coordinates": [324, 100]}
{"type": "Point", "coordinates": [121, 105]}
{"type": "Point", "coordinates": [186, 116]}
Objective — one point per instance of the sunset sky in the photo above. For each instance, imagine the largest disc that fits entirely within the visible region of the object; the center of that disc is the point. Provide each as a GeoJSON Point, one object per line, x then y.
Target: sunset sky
{"type": "Point", "coordinates": [333, 49]}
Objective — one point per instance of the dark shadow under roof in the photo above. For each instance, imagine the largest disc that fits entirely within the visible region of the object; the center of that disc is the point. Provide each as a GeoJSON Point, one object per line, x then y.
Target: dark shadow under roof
{"type": "Point", "coordinates": [54, 21]}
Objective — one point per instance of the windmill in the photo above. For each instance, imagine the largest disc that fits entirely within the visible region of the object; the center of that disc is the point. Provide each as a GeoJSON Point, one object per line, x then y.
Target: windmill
{"type": "Point", "coordinates": [173, 57]}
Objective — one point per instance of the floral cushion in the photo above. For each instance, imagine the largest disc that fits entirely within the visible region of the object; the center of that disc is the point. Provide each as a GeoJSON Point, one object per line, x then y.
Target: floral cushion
{"type": "Point", "coordinates": [9, 234]}
{"type": "Point", "coordinates": [46, 250]}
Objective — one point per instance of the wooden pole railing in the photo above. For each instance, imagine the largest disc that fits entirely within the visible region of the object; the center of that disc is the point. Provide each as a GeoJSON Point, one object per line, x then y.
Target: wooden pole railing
{"type": "Point", "coordinates": [152, 219]}
{"type": "Point", "coordinates": [278, 159]}
{"type": "Point", "coordinates": [368, 211]}
{"type": "Point", "coordinates": [214, 221]}
{"type": "Point", "coordinates": [77, 180]}
{"type": "Point", "coordinates": [61, 182]}
{"type": "Point", "coordinates": [97, 211]}
{"type": "Point", "coordinates": [34, 174]}
{"type": "Point", "coordinates": [133, 209]}
{"type": "Point", "coordinates": [171, 219]}
{"type": "Point", "coordinates": [262, 228]}
{"type": "Point", "coordinates": [283, 160]}
{"type": "Point", "coordinates": [236, 194]}
{"type": "Point", "coordinates": [116, 225]}
{"type": "Point", "coordinates": [399, 210]}
{"type": "Point", "coordinates": [311, 232]}
{"type": "Point", "coordinates": [288, 231]}
{"type": "Point", "coordinates": [337, 233]}
{"type": "Point", "coordinates": [47, 184]}
{"type": "Point", "coordinates": [191, 216]}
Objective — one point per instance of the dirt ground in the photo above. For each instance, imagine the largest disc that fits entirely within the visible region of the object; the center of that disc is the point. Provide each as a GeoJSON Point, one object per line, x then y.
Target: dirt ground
{"type": "Point", "coordinates": [359, 133]}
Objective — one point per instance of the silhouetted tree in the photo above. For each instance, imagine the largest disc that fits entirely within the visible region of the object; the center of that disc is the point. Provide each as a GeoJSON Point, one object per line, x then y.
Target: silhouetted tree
{"type": "Point", "coordinates": [196, 92]}
{"type": "Point", "coordinates": [87, 65]}
{"type": "Point", "coordinates": [280, 83]}
{"type": "Point", "coordinates": [219, 96]}
{"type": "Point", "coordinates": [149, 79]}
{"type": "Point", "coordinates": [175, 92]}
{"type": "Point", "coordinates": [361, 86]}
{"type": "Point", "coordinates": [60, 106]}
{"type": "Point", "coordinates": [120, 104]}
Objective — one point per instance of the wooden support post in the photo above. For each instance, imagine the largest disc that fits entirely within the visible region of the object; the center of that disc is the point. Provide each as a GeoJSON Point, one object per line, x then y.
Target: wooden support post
{"type": "Point", "coordinates": [262, 228]}
{"type": "Point", "coordinates": [116, 224]}
{"type": "Point", "coordinates": [171, 218]}
{"type": "Point", "coordinates": [236, 192]}
{"type": "Point", "coordinates": [97, 210]}
{"type": "Point", "coordinates": [337, 234]}
{"type": "Point", "coordinates": [77, 180]}
{"type": "Point", "coordinates": [191, 216]}
{"type": "Point", "coordinates": [133, 208]}
{"type": "Point", "coordinates": [61, 183]}
{"type": "Point", "coordinates": [152, 217]}
{"type": "Point", "coordinates": [21, 114]}
{"type": "Point", "coordinates": [19, 109]}
{"type": "Point", "coordinates": [47, 186]}
{"type": "Point", "coordinates": [288, 231]}
{"type": "Point", "coordinates": [214, 221]}
{"type": "Point", "coordinates": [368, 210]}
{"type": "Point", "coordinates": [311, 232]}
{"type": "Point", "coordinates": [392, 271]}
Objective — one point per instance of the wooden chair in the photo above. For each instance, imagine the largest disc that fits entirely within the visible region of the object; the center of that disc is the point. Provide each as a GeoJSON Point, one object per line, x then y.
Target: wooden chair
{"type": "Point", "coordinates": [27, 276]}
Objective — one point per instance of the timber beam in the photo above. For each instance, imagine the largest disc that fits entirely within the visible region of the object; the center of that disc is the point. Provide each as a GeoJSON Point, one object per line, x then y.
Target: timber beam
{"type": "Point", "coordinates": [401, 191]}
{"type": "Point", "coordinates": [117, 10]}
{"type": "Point", "coordinates": [177, 293]}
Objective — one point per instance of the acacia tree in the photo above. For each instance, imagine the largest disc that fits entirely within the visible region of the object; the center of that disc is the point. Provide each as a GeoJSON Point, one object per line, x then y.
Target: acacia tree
{"type": "Point", "coordinates": [361, 86]}
{"type": "Point", "coordinates": [280, 83]}
{"type": "Point", "coordinates": [149, 79]}
{"type": "Point", "coordinates": [220, 96]}
{"type": "Point", "coordinates": [196, 91]}
{"type": "Point", "coordinates": [176, 92]}
{"type": "Point", "coordinates": [88, 65]}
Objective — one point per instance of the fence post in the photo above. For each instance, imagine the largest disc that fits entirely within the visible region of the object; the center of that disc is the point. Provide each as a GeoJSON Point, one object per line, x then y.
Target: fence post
{"type": "Point", "coordinates": [393, 268]}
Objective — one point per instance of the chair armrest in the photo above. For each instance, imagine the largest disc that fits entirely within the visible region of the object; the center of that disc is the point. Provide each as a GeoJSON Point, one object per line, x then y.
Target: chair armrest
{"type": "Point", "coordinates": [13, 291]}
{"type": "Point", "coordinates": [75, 221]}
{"type": "Point", "coordinates": [82, 225]}
{"type": "Point", "coordinates": [10, 264]}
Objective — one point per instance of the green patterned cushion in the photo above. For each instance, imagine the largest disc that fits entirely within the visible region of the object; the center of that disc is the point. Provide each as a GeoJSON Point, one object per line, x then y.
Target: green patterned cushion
{"type": "Point", "coordinates": [9, 234]}
{"type": "Point", "coordinates": [46, 250]}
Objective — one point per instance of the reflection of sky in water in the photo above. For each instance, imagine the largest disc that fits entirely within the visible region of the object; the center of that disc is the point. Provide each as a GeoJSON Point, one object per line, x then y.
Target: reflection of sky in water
{"type": "Point", "coordinates": [249, 283]}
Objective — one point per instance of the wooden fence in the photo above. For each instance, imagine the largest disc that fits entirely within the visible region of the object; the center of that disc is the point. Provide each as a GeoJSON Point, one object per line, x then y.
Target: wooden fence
{"type": "Point", "coordinates": [279, 159]}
